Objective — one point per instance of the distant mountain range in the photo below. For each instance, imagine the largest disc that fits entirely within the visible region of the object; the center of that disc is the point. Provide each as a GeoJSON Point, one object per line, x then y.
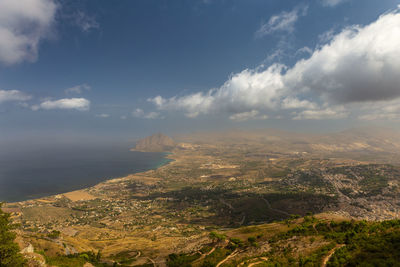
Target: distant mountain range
{"type": "Point", "coordinates": [357, 139]}
{"type": "Point", "coordinates": [155, 143]}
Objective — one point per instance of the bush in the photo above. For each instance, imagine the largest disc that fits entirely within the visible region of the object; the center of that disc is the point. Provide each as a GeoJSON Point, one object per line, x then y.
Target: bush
{"type": "Point", "coordinates": [236, 242]}
{"type": "Point", "coordinates": [217, 237]}
{"type": "Point", "coordinates": [54, 234]}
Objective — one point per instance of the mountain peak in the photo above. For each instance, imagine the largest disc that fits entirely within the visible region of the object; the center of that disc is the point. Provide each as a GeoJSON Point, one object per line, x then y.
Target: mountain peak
{"type": "Point", "coordinates": [155, 143]}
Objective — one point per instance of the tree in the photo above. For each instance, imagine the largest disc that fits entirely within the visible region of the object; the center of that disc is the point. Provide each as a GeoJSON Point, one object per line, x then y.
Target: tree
{"type": "Point", "coordinates": [9, 250]}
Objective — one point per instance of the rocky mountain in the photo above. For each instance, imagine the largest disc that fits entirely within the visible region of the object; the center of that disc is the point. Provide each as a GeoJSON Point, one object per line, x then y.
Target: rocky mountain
{"type": "Point", "coordinates": [155, 143]}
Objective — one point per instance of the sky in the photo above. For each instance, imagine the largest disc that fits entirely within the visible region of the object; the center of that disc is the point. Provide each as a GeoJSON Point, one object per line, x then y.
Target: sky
{"type": "Point", "coordinates": [122, 69]}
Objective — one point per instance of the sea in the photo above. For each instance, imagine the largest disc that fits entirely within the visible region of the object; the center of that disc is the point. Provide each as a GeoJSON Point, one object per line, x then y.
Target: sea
{"type": "Point", "coordinates": [38, 171]}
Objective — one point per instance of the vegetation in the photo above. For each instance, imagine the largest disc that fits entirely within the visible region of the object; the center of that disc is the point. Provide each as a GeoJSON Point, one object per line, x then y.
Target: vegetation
{"type": "Point", "coordinates": [305, 242]}
{"type": "Point", "coordinates": [377, 244]}
{"type": "Point", "coordinates": [124, 257]}
{"type": "Point", "coordinates": [215, 257]}
{"type": "Point", "coordinates": [54, 234]}
{"type": "Point", "coordinates": [9, 250]}
{"type": "Point", "coordinates": [75, 260]}
{"type": "Point", "coordinates": [181, 260]}
{"type": "Point", "coordinates": [362, 243]}
{"type": "Point", "coordinates": [217, 237]}
{"type": "Point", "coordinates": [373, 184]}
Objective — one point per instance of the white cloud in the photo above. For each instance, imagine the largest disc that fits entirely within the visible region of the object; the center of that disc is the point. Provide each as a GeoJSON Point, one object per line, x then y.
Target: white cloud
{"type": "Point", "coordinates": [85, 22]}
{"type": "Point", "coordinates": [103, 115]}
{"type": "Point", "coordinates": [304, 50]}
{"type": "Point", "coordinates": [80, 104]}
{"type": "Point", "coordinates": [283, 21]}
{"type": "Point", "coordinates": [277, 54]}
{"type": "Point", "coordinates": [322, 114]}
{"type": "Point", "coordinates": [245, 91]}
{"type": "Point", "coordinates": [295, 103]}
{"type": "Point", "coordinates": [383, 110]}
{"type": "Point", "coordinates": [326, 37]}
{"type": "Point", "coordinates": [78, 89]}
{"type": "Point", "coordinates": [23, 24]}
{"type": "Point", "coordinates": [332, 3]}
{"type": "Point", "coordinates": [123, 117]}
{"type": "Point", "coordinates": [360, 64]}
{"type": "Point", "coordinates": [13, 95]}
{"type": "Point", "coordinates": [249, 115]}
{"type": "Point", "coordinates": [377, 116]}
{"type": "Point", "coordinates": [139, 113]}
{"type": "Point", "coordinates": [152, 115]}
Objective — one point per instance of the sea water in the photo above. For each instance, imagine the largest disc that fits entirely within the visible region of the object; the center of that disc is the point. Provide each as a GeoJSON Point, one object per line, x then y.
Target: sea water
{"type": "Point", "coordinates": [33, 172]}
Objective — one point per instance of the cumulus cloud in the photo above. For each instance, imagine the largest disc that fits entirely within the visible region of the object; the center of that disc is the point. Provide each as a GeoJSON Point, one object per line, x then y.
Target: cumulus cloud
{"type": "Point", "coordinates": [139, 113]}
{"type": "Point", "coordinates": [78, 89]}
{"type": "Point", "coordinates": [245, 91]}
{"type": "Point", "coordinates": [80, 104]}
{"type": "Point", "coordinates": [360, 64]}
{"type": "Point", "coordinates": [13, 95]}
{"type": "Point", "coordinates": [283, 22]}
{"type": "Point", "coordinates": [23, 24]}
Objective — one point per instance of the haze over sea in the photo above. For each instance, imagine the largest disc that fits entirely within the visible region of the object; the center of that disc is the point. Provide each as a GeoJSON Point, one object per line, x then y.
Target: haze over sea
{"type": "Point", "coordinates": [28, 172]}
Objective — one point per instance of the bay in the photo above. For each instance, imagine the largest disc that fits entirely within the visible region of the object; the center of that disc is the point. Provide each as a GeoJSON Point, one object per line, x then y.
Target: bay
{"type": "Point", "coordinates": [33, 172]}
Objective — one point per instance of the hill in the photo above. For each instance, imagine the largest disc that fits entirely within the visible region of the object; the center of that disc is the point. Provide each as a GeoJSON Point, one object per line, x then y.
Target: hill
{"type": "Point", "coordinates": [155, 143]}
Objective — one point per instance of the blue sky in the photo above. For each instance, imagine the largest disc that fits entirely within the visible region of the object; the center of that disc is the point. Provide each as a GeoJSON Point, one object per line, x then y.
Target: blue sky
{"type": "Point", "coordinates": [124, 69]}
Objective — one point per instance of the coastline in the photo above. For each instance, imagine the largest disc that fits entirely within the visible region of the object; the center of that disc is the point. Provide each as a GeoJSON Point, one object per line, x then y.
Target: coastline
{"type": "Point", "coordinates": [167, 160]}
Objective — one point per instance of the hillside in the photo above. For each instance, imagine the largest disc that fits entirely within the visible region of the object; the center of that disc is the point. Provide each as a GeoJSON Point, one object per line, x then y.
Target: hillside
{"type": "Point", "coordinates": [379, 145]}
{"type": "Point", "coordinates": [320, 240]}
{"type": "Point", "coordinates": [155, 143]}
